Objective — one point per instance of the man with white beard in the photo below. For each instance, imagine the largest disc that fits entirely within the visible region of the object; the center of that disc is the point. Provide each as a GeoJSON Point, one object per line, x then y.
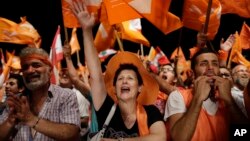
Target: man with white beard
{"type": "Point", "coordinates": [240, 76]}
{"type": "Point", "coordinates": [45, 111]}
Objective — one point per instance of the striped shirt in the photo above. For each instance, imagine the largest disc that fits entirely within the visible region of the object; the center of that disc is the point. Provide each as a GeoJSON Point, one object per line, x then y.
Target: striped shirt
{"type": "Point", "coordinates": [60, 106]}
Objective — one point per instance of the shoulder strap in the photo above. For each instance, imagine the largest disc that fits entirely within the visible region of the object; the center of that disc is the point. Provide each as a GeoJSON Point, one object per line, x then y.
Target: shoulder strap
{"type": "Point", "coordinates": [110, 115]}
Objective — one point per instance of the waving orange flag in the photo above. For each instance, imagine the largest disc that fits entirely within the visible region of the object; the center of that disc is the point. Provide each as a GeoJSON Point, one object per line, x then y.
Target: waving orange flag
{"type": "Point", "coordinates": [69, 18]}
{"type": "Point", "coordinates": [245, 36]}
{"type": "Point", "coordinates": [131, 30]}
{"type": "Point", "coordinates": [239, 7]}
{"type": "Point", "coordinates": [156, 12]}
{"type": "Point", "coordinates": [74, 44]}
{"type": "Point", "coordinates": [22, 33]}
{"type": "Point", "coordinates": [194, 15]}
{"type": "Point", "coordinates": [119, 11]}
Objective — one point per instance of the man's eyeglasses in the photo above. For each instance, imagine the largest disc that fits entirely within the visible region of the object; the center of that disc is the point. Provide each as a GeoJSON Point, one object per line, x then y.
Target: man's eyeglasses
{"type": "Point", "coordinates": [166, 69]}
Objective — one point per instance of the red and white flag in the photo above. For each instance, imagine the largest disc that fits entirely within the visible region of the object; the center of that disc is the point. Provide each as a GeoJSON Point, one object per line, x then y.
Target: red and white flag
{"type": "Point", "coordinates": [56, 55]}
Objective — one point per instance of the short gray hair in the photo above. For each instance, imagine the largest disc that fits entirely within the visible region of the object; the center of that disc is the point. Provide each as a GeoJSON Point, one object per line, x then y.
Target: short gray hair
{"type": "Point", "coordinates": [27, 51]}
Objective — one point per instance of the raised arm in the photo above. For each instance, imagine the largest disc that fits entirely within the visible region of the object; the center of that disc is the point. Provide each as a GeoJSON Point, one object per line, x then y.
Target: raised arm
{"type": "Point", "coordinates": [87, 21]}
{"type": "Point", "coordinates": [164, 86]}
{"type": "Point", "coordinates": [79, 84]}
{"type": "Point", "coordinates": [186, 122]}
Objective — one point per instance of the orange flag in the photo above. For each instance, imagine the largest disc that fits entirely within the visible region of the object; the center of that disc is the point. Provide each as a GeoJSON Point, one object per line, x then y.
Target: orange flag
{"type": "Point", "coordinates": [236, 47]}
{"type": "Point", "coordinates": [173, 23]}
{"type": "Point", "coordinates": [22, 33]}
{"type": "Point", "coordinates": [74, 44]}
{"type": "Point", "coordinates": [178, 53]}
{"type": "Point", "coordinates": [245, 36]}
{"type": "Point", "coordinates": [104, 38]}
{"type": "Point", "coordinates": [131, 30]}
{"type": "Point", "coordinates": [155, 11]}
{"type": "Point", "coordinates": [192, 51]}
{"type": "Point", "coordinates": [69, 18]}
{"type": "Point", "coordinates": [4, 75]}
{"type": "Point", "coordinates": [194, 15]}
{"type": "Point", "coordinates": [15, 61]}
{"type": "Point", "coordinates": [119, 11]}
{"type": "Point", "coordinates": [239, 7]}
{"type": "Point", "coordinates": [240, 59]}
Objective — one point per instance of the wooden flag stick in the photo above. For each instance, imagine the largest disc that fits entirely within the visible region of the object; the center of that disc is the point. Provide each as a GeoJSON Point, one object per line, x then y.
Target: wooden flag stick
{"type": "Point", "coordinates": [66, 35]}
{"type": "Point", "coordinates": [209, 6]}
{"type": "Point", "coordinates": [78, 57]}
{"type": "Point", "coordinates": [118, 39]}
{"type": "Point", "coordinates": [142, 51]}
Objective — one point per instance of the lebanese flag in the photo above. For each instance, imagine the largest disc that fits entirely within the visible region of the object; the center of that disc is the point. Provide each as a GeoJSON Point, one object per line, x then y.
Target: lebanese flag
{"type": "Point", "coordinates": [104, 54]}
{"type": "Point", "coordinates": [56, 55]}
{"type": "Point", "coordinates": [157, 57]}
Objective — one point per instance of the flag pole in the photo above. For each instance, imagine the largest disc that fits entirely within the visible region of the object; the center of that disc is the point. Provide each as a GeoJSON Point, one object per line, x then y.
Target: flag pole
{"type": "Point", "coordinates": [78, 57]}
{"type": "Point", "coordinates": [142, 51]}
{"type": "Point", "coordinates": [118, 39]}
{"type": "Point", "coordinates": [209, 6]}
{"type": "Point", "coordinates": [66, 34]}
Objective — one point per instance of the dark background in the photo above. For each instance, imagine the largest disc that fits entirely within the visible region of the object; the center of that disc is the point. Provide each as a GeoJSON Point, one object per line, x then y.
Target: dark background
{"type": "Point", "coordinates": [45, 16]}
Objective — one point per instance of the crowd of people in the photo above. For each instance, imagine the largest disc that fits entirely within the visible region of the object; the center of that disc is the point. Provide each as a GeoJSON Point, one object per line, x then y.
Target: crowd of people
{"type": "Point", "coordinates": [146, 105]}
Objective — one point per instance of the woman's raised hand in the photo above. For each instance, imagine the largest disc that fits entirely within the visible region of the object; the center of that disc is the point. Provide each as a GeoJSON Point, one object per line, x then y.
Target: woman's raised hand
{"type": "Point", "coordinates": [79, 8]}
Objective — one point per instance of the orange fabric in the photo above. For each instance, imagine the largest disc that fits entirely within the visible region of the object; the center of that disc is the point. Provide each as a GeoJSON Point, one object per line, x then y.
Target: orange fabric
{"type": "Point", "coordinates": [223, 55]}
{"type": "Point", "coordinates": [69, 19]}
{"type": "Point", "coordinates": [155, 11]}
{"type": "Point", "coordinates": [240, 59]}
{"type": "Point", "coordinates": [142, 120]}
{"type": "Point", "coordinates": [192, 51]}
{"type": "Point", "coordinates": [194, 15]}
{"type": "Point", "coordinates": [173, 23]}
{"type": "Point", "coordinates": [147, 96]}
{"type": "Point", "coordinates": [239, 7]}
{"type": "Point", "coordinates": [104, 38]}
{"type": "Point", "coordinates": [22, 33]}
{"type": "Point", "coordinates": [74, 44]}
{"type": "Point", "coordinates": [208, 128]}
{"type": "Point", "coordinates": [131, 30]}
{"type": "Point", "coordinates": [182, 66]}
{"type": "Point", "coordinates": [236, 48]}
{"type": "Point", "coordinates": [245, 36]}
{"type": "Point", "coordinates": [160, 102]}
{"type": "Point", "coordinates": [36, 56]}
{"type": "Point", "coordinates": [2, 89]}
{"type": "Point", "coordinates": [15, 61]}
{"type": "Point", "coordinates": [6, 69]}
{"type": "Point", "coordinates": [178, 53]}
{"type": "Point", "coordinates": [119, 11]}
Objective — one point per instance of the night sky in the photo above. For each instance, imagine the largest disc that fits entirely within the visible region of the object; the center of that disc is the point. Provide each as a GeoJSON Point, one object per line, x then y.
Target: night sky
{"type": "Point", "coordinates": [45, 16]}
